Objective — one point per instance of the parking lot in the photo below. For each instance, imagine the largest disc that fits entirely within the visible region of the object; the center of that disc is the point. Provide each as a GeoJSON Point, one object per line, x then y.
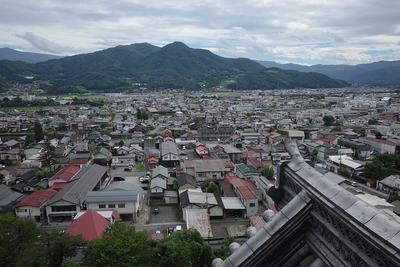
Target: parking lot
{"type": "Point", "coordinates": [130, 177]}
{"type": "Point", "coordinates": [167, 213]}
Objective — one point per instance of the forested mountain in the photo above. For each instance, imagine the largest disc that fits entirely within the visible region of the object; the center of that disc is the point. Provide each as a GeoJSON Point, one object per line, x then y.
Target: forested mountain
{"type": "Point", "coordinates": [382, 72]}
{"type": "Point", "coordinates": [273, 78]}
{"type": "Point", "coordinates": [172, 66]}
{"type": "Point", "coordinates": [28, 57]}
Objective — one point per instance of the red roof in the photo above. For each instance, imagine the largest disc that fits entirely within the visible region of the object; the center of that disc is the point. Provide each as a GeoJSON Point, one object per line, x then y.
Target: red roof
{"type": "Point", "coordinates": [257, 221]}
{"type": "Point", "coordinates": [78, 161]}
{"type": "Point", "coordinates": [37, 198]}
{"type": "Point", "coordinates": [59, 185]}
{"type": "Point", "coordinates": [152, 110]}
{"type": "Point", "coordinates": [255, 162]}
{"type": "Point", "coordinates": [66, 173]}
{"type": "Point", "coordinates": [246, 192]}
{"type": "Point", "coordinates": [230, 176]}
{"type": "Point", "coordinates": [249, 184]}
{"type": "Point", "coordinates": [4, 172]}
{"type": "Point", "coordinates": [168, 138]}
{"type": "Point", "coordinates": [90, 225]}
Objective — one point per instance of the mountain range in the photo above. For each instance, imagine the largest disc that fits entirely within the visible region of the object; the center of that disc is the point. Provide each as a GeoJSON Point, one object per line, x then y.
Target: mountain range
{"type": "Point", "coordinates": [382, 72]}
{"type": "Point", "coordinates": [28, 57]}
{"type": "Point", "coordinates": [179, 66]}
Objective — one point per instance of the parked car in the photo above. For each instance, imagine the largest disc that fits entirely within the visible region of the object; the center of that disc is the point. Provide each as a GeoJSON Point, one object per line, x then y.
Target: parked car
{"type": "Point", "coordinates": [170, 230]}
{"type": "Point", "coordinates": [156, 210]}
{"type": "Point", "coordinates": [119, 178]}
{"type": "Point", "coordinates": [144, 179]}
{"type": "Point", "coordinates": [128, 169]}
{"type": "Point", "coordinates": [2, 166]}
{"type": "Point", "coordinates": [60, 219]}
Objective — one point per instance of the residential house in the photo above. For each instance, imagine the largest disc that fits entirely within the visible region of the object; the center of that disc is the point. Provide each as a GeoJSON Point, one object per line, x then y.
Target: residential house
{"type": "Point", "coordinates": [185, 182]}
{"type": "Point", "coordinates": [198, 200]}
{"type": "Point", "coordinates": [234, 154]}
{"type": "Point", "coordinates": [246, 171]}
{"type": "Point", "coordinates": [169, 154]}
{"type": "Point", "coordinates": [201, 150]}
{"type": "Point", "coordinates": [157, 189]}
{"type": "Point", "coordinates": [205, 169]}
{"type": "Point", "coordinates": [8, 199]}
{"type": "Point", "coordinates": [343, 164]}
{"type": "Point", "coordinates": [61, 178]}
{"type": "Point", "coordinates": [68, 201]}
{"type": "Point", "coordinates": [390, 184]}
{"type": "Point", "coordinates": [162, 172]}
{"type": "Point", "coordinates": [91, 225]}
{"type": "Point", "coordinates": [81, 158]}
{"type": "Point", "coordinates": [102, 156]}
{"type": "Point", "coordinates": [244, 190]}
{"type": "Point", "coordinates": [258, 165]}
{"type": "Point", "coordinates": [32, 206]}
{"type": "Point", "coordinates": [124, 197]}
{"type": "Point", "coordinates": [10, 144]}
{"type": "Point", "coordinates": [5, 176]}
{"type": "Point", "coordinates": [14, 156]}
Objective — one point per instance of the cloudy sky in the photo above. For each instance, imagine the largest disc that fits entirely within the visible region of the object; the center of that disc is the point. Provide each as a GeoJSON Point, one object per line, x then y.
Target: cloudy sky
{"type": "Point", "coordinates": [298, 31]}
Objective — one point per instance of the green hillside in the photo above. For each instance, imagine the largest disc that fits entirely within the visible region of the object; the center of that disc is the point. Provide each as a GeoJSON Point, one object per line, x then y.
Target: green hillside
{"type": "Point", "coordinates": [274, 78]}
{"type": "Point", "coordinates": [172, 66]}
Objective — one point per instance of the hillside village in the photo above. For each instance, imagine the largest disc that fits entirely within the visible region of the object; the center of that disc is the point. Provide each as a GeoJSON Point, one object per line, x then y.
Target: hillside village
{"type": "Point", "coordinates": [186, 141]}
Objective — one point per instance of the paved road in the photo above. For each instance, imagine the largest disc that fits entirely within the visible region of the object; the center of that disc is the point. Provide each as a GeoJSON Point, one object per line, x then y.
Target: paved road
{"type": "Point", "coordinates": [365, 189]}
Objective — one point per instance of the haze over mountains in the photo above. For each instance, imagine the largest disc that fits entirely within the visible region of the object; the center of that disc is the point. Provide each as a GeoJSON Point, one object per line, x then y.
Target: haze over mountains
{"type": "Point", "coordinates": [178, 66]}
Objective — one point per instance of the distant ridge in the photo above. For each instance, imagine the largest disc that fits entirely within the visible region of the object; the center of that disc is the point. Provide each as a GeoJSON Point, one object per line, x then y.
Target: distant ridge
{"type": "Point", "coordinates": [28, 57]}
{"type": "Point", "coordinates": [382, 72]}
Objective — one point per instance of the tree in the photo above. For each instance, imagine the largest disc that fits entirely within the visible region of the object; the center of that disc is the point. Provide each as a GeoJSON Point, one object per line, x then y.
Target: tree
{"type": "Point", "coordinates": [223, 252]}
{"type": "Point", "coordinates": [328, 120]}
{"type": "Point", "coordinates": [121, 245]}
{"type": "Point", "coordinates": [268, 172]}
{"type": "Point", "coordinates": [18, 240]}
{"type": "Point", "coordinates": [38, 130]}
{"type": "Point", "coordinates": [382, 165]}
{"type": "Point", "coordinates": [30, 138]}
{"type": "Point", "coordinates": [390, 161]}
{"type": "Point", "coordinates": [375, 170]}
{"type": "Point", "coordinates": [58, 246]}
{"type": "Point", "coordinates": [182, 248]}
{"type": "Point", "coordinates": [378, 135]}
{"type": "Point", "coordinates": [138, 113]}
{"type": "Point", "coordinates": [48, 154]}
{"type": "Point", "coordinates": [211, 187]}
{"type": "Point", "coordinates": [372, 121]}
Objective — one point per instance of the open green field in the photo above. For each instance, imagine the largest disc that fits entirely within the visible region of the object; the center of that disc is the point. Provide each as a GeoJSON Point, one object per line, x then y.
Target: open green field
{"type": "Point", "coordinates": [36, 108]}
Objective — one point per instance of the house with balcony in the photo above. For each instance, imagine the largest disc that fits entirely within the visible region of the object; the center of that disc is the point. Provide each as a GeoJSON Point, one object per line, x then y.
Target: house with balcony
{"type": "Point", "coordinates": [68, 201]}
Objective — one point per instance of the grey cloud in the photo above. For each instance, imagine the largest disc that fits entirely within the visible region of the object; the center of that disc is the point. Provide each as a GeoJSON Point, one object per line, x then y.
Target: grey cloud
{"type": "Point", "coordinates": [44, 44]}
